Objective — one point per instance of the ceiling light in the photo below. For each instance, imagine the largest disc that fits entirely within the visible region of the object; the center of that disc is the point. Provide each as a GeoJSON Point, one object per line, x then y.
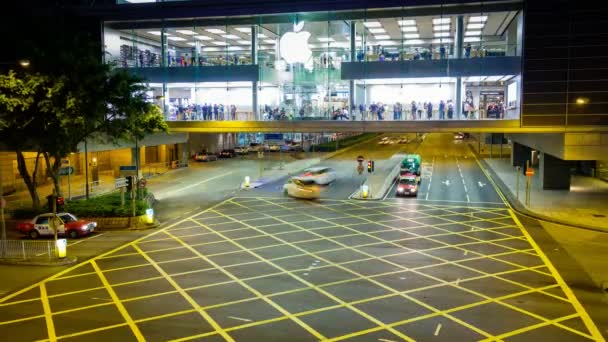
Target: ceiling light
{"type": "Point", "coordinates": [236, 48]}
{"type": "Point", "coordinates": [261, 35]}
{"type": "Point", "coordinates": [442, 41]}
{"type": "Point", "coordinates": [231, 36]}
{"type": "Point", "coordinates": [211, 49]}
{"type": "Point", "coordinates": [156, 33]}
{"type": "Point", "coordinates": [203, 38]}
{"type": "Point", "coordinates": [177, 39]}
{"type": "Point", "coordinates": [475, 26]}
{"type": "Point", "coordinates": [219, 43]}
{"type": "Point", "coordinates": [244, 42]}
{"type": "Point", "coordinates": [442, 34]}
{"type": "Point", "coordinates": [372, 24]}
{"type": "Point", "coordinates": [243, 29]}
{"type": "Point", "coordinates": [414, 42]}
{"type": "Point", "coordinates": [339, 44]}
{"type": "Point", "coordinates": [270, 41]}
{"type": "Point", "coordinates": [411, 35]}
{"type": "Point", "coordinates": [472, 33]}
{"type": "Point", "coordinates": [478, 19]}
{"type": "Point", "coordinates": [386, 42]}
{"type": "Point", "coordinates": [382, 37]}
{"type": "Point", "coordinates": [191, 43]}
{"type": "Point", "coordinates": [215, 31]}
{"type": "Point", "coordinates": [437, 21]}
{"type": "Point", "coordinates": [325, 39]}
{"type": "Point", "coordinates": [358, 38]}
{"type": "Point", "coordinates": [441, 27]}
{"type": "Point", "coordinates": [492, 78]}
{"type": "Point", "coordinates": [376, 30]}
{"type": "Point", "coordinates": [471, 39]}
{"type": "Point", "coordinates": [408, 22]}
{"type": "Point", "coordinates": [188, 32]}
{"type": "Point", "coordinates": [409, 29]}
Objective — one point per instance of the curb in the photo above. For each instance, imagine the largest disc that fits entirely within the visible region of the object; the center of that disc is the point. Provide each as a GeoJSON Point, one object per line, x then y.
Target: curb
{"type": "Point", "coordinates": [42, 262]}
{"type": "Point", "coordinates": [521, 209]}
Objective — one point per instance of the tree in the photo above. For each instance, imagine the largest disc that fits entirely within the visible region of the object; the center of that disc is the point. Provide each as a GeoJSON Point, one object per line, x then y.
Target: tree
{"type": "Point", "coordinates": [66, 96]}
{"type": "Point", "coordinates": [25, 107]}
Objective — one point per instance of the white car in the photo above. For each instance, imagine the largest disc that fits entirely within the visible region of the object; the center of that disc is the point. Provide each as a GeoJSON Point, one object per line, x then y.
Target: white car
{"type": "Point", "coordinates": [458, 136]}
{"type": "Point", "coordinates": [241, 149]}
{"type": "Point", "coordinates": [320, 175]}
{"type": "Point", "coordinates": [66, 223]}
{"type": "Point", "coordinates": [301, 189]}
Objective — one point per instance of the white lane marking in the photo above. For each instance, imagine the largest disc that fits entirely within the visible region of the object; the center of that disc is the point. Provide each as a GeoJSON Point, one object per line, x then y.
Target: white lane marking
{"type": "Point", "coordinates": [240, 319]}
{"type": "Point", "coordinates": [385, 340]}
{"type": "Point", "coordinates": [305, 274]}
{"type": "Point", "coordinates": [466, 191]}
{"type": "Point", "coordinates": [104, 299]}
{"type": "Point", "coordinates": [437, 329]}
{"type": "Point", "coordinates": [390, 190]}
{"type": "Point", "coordinates": [460, 201]}
{"type": "Point", "coordinates": [87, 239]}
{"type": "Point", "coordinates": [197, 184]}
{"type": "Point", "coordinates": [481, 185]}
{"type": "Point", "coordinates": [428, 188]}
{"type": "Point", "coordinates": [446, 182]}
{"type": "Point", "coordinates": [402, 278]}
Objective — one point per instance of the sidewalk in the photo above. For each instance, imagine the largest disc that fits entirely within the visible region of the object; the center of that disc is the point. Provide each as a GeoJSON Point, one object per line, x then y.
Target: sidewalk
{"type": "Point", "coordinates": [584, 206]}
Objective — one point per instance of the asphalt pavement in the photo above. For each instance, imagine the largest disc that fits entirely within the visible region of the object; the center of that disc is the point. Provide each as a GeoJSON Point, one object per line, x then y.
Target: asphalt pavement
{"type": "Point", "coordinates": [345, 166]}
{"type": "Point", "coordinates": [278, 269]}
{"type": "Point", "coordinates": [451, 174]}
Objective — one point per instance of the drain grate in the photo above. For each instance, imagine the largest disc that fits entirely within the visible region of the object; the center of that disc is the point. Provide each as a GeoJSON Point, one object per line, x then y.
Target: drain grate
{"type": "Point", "coordinates": [598, 215]}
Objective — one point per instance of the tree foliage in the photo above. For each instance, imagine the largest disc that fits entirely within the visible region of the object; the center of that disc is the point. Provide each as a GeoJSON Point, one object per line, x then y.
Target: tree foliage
{"type": "Point", "coordinates": [67, 96]}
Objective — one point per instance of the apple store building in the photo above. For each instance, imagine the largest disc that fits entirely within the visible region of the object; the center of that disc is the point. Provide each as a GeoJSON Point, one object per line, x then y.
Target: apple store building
{"type": "Point", "coordinates": [406, 63]}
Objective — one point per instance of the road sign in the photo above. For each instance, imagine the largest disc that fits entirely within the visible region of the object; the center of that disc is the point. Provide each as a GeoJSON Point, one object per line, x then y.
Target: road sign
{"type": "Point", "coordinates": [530, 172]}
{"type": "Point", "coordinates": [360, 159]}
{"type": "Point", "coordinates": [128, 170]}
{"type": "Point", "coordinates": [120, 183]}
{"type": "Point", "coordinates": [66, 170]}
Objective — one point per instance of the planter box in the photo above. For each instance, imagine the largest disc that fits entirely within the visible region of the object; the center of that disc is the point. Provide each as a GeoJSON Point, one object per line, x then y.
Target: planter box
{"type": "Point", "coordinates": [113, 223]}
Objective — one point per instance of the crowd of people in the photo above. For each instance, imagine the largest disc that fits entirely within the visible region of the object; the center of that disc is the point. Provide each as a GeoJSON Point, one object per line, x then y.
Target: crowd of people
{"type": "Point", "coordinates": [206, 111]}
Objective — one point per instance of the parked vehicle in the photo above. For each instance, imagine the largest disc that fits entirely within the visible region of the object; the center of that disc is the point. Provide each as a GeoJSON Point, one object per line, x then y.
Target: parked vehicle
{"type": "Point", "coordinates": [227, 153]}
{"type": "Point", "coordinates": [67, 224]}
{"type": "Point", "coordinates": [407, 186]}
{"type": "Point", "coordinates": [241, 150]}
{"type": "Point", "coordinates": [205, 157]}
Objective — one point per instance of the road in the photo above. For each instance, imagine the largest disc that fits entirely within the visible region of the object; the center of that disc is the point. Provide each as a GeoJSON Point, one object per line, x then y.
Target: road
{"type": "Point", "coordinates": [253, 266]}
{"type": "Point", "coordinates": [345, 166]}
{"type": "Point", "coordinates": [450, 174]}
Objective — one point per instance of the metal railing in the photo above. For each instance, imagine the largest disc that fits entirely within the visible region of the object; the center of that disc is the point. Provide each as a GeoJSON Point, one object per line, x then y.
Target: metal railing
{"type": "Point", "coordinates": [154, 169]}
{"type": "Point", "coordinates": [27, 249]}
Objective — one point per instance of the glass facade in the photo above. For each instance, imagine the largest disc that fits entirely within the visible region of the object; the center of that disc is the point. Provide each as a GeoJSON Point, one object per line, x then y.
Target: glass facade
{"type": "Point", "coordinates": [358, 65]}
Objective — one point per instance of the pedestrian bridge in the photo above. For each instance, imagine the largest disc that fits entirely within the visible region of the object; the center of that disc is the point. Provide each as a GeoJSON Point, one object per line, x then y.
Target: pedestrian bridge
{"type": "Point", "coordinates": [333, 126]}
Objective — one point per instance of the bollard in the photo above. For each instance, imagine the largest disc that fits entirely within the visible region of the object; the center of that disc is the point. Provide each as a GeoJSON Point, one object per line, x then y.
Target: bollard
{"type": "Point", "coordinates": [247, 181]}
{"type": "Point", "coordinates": [364, 191]}
{"type": "Point", "coordinates": [62, 245]}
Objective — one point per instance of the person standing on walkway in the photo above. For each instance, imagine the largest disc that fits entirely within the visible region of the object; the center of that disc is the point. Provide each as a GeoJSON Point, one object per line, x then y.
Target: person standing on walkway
{"type": "Point", "coordinates": [413, 109]}
{"type": "Point", "coordinates": [233, 112]}
{"type": "Point", "coordinates": [467, 51]}
{"type": "Point", "coordinates": [429, 111]}
{"type": "Point", "coordinates": [216, 111]}
{"type": "Point", "coordinates": [450, 109]}
{"type": "Point", "coordinates": [441, 110]}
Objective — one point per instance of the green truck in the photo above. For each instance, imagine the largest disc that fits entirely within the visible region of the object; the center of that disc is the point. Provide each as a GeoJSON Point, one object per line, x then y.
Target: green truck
{"type": "Point", "coordinates": [411, 163]}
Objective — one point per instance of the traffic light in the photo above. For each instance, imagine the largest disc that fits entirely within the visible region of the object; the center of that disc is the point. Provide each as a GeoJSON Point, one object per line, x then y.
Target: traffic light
{"type": "Point", "coordinates": [129, 183]}
{"type": "Point", "coordinates": [370, 166]}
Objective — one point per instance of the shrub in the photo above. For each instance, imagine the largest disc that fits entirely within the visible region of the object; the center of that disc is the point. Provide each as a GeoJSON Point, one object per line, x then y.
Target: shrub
{"type": "Point", "coordinates": [106, 205]}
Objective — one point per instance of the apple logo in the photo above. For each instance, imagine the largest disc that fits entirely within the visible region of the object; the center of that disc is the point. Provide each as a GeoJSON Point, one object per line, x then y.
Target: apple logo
{"type": "Point", "coordinates": [294, 45]}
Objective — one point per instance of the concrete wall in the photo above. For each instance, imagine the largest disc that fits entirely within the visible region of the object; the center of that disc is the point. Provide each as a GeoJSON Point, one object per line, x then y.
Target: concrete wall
{"type": "Point", "coordinates": [567, 146]}
{"type": "Point", "coordinates": [554, 173]}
